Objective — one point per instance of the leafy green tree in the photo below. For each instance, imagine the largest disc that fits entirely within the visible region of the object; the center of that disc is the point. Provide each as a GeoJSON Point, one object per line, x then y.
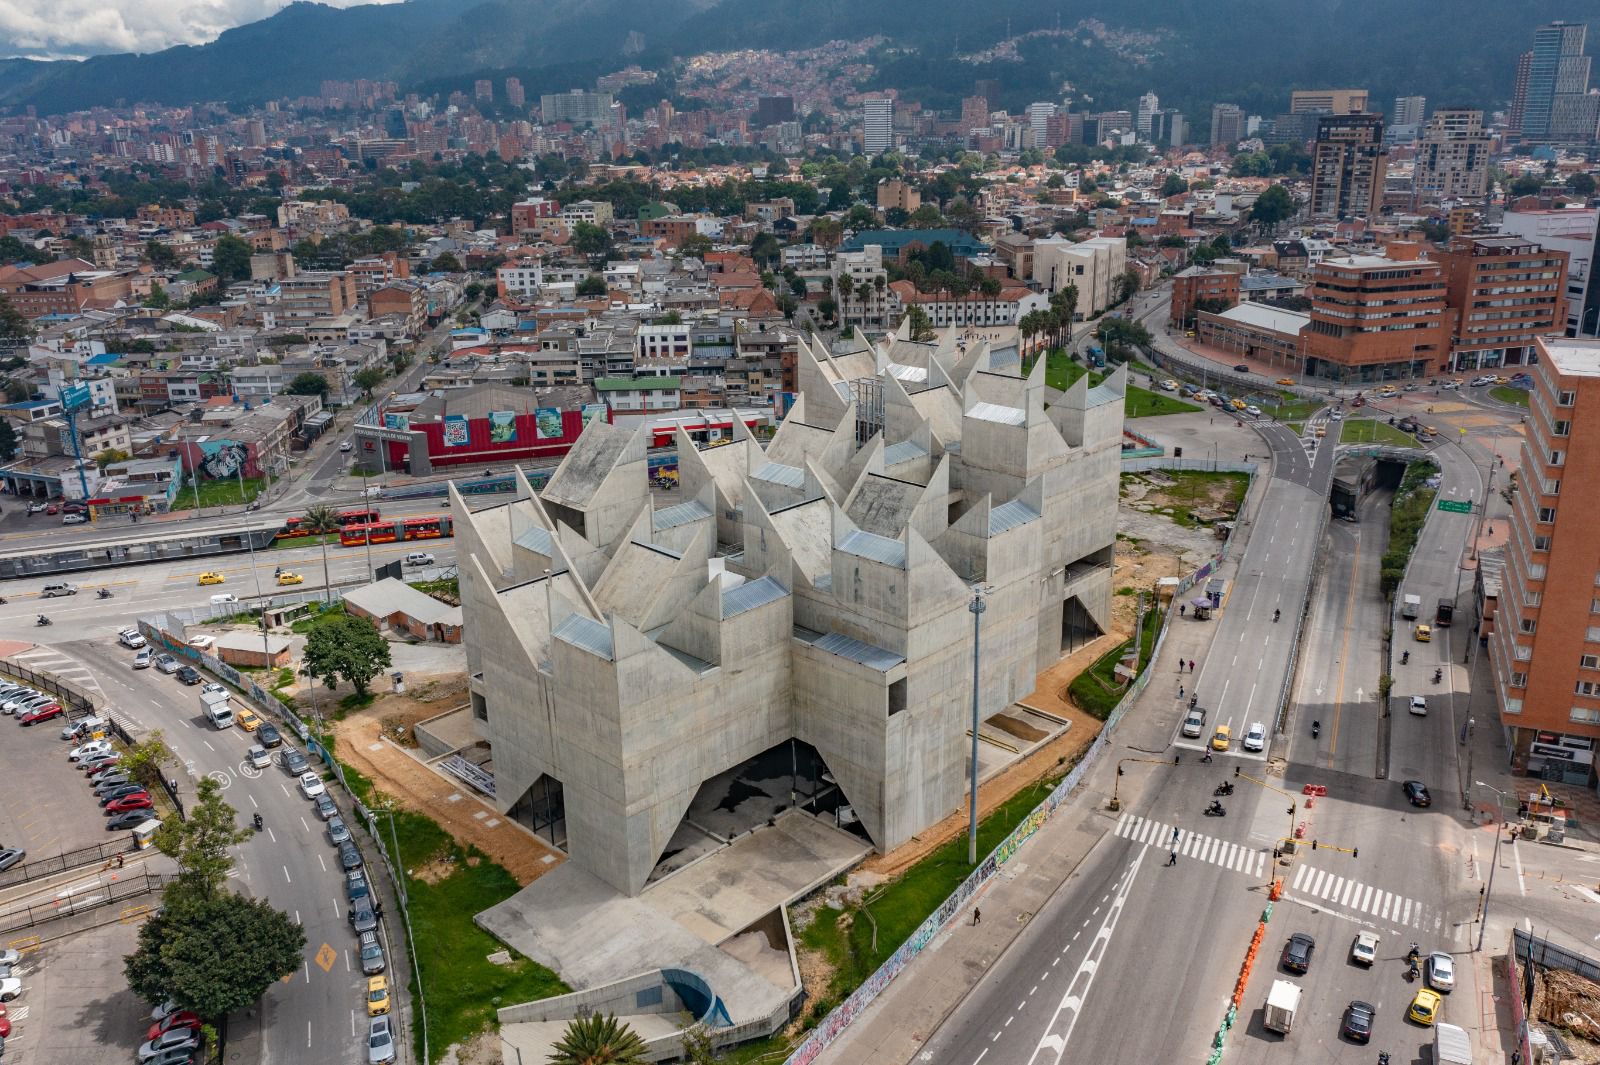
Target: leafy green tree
{"type": "Point", "coordinates": [146, 761]}
{"type": "Point", "coordinates": [474, 291]}
{"type": "Point", "coordinates": [158, 298]}
{"type": "Point", "coordinates": [925, 217]}
{"type": "Point", "coordinates": [921, 327]}
{"type": "Point", "coordinates": [696, 245]}
{"type": "Point", "coordinates": [322, 521]}
{"type": "Point", "coordinates": [591, 240]}
{"type": "Point", "coordinates": [599, 1039]}
{"type": "Point", "coordinates": [1582, 184]}
{"type": "Point", "coordinates": [1273, 207]}
{"type": "Point", "coordinates": [13, 250]}
{"type": "Point", "coordinates": [593, 285]}
{"type": "Point", "coordinates": [827, 232]}
{"type": "Point", "coordinates": [445, 263]}
{"type": "Point", "coordinates": [230, 259]}
{"type": "Point", "coordinates": [199, 843]}
{"type": "Point", "coordinates": [160, 255]}
{"type": "Point", "coordinates": [308, 384]}
{"type": "Point", "coordinates": [765, 250]}
{"type": "Point", "coordinates": [1526, 186]}
{"type": "Point", "coordinates": [213, 955]}
{"type": "Point", "coordinates": [102, 459]}
{"type": "Point", "coordinates": [1173, 185]}
{"type": "Point", "coordinates": [15, 328]}
{"type": "Point", "coordinates": [368, 379]}
{"type": "Point", "coordinates": [670, 318]}
{"type": "Point", "coordinates": [348, 649]}
{"type": "Point", "coordinates": [1127, 284]}
{"type": "Point", "coordinates": [9, 444]}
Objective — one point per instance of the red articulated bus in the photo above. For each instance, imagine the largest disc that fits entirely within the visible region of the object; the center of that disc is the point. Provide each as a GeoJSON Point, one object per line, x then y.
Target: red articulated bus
{"type": "Point", "coordinates": [431, 527]}
{"type": "Point", "coordinates": [294, 527]}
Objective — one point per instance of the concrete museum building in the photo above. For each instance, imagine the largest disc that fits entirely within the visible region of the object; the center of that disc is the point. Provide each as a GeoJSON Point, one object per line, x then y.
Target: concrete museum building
{"type": "Point", "coordinates": [806, 600]}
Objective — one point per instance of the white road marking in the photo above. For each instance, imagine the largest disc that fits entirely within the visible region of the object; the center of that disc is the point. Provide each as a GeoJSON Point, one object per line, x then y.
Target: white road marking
{"type": "Point", "coordinates": [286, 875]}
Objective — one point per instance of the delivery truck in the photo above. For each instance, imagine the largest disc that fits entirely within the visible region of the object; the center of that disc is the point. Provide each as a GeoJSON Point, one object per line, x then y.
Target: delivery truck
{"type": "Point", "coordinates": [216, 708]}
{"type": "Point", "coordinates": [1282, 1001]}
{"type": "Point", "coordinates": [1451, 1045]}
{"type": "Point", "coordinates": [1446, 611]}
{"type": "Point", "coordinates": [1410, 607]}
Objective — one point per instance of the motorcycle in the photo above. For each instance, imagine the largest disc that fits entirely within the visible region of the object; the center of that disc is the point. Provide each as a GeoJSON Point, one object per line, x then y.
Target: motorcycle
{"type": "Point", "coordinates": [1276, 614]}
{"type": "Point", "coordinates": [257, 820]}
{"type": "Point", "coordinates": [42, 620]}
{"type": "Point", "coordinates": [1316, 729]}
{"type": "Point", "coordinates": [104, 593]}
{"type": "Point", "coordinates": [1383, 1057]}
{"type": "Point", "coordinates": [2, 600]}
{"type": "Point", "coordinates": [1405, 657]}
{"type": "Point", "coordinates": [1225, 788]}
{"type": "Point", "coordinates": [1216, 810]}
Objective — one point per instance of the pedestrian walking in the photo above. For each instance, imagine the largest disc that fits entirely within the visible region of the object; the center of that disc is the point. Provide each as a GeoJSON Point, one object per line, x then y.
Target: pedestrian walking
{"type": "Point", "coordinates": [977, 916]}
{"type": "Point", "coordinates": [1172, 858]}
{"type": "Point", "coordinates": [1191, 665]}
{"type": "Point", "coordinates": [1175, 831]}
{"type": "Point", "coordinates": [1181, 608]}
{"type": "Point", "coordinates": [1180, 691]}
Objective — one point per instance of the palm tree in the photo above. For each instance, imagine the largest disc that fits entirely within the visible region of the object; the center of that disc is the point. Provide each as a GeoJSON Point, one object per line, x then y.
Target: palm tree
{"type": "Point", "coordinates": [321, 520]}
{"type": "Point", "coordinates": [599, 1040]}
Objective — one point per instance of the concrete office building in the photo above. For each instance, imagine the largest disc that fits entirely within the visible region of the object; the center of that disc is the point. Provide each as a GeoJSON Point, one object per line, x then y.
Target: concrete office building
{"type": "Point", "coordinates": [1545, 647]}
{"type": "Point", "coordinates": [1575, 231]}
{"type": "Point", "coordinates": [1505, 292]}
{"type": "Point", "coordinates": [1332, 101]}
{"type": "Point", "coordinates": [1452, 161]}
{"type": "Point", "coordinates": [1094, 266]}
{"type": "Point", "coordinates": [577, 107]}
{"type": "Point", "coordinates": [1348, 167]}
{"type": "Point", "coordinates": [1557, 73]}
{"type": "Point", "coordinates": [1377, 317]}
{"type": "Point", "coordinates": [1409, 111]}
{"type": "Point", "coordinates": [1227, 125]}
{"type": "Point", "coordinates": [1149, 104]}
{"type": "Point", "coordinates": [877, 125]}
{"type": "Point", "coordinates": [807, 601]}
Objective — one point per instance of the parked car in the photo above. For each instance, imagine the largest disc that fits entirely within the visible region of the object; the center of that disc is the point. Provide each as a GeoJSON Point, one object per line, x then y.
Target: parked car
{"type": "Point", "coordinates": [295, 762]}
{"type": "Point", "coordinates": [74, 518]}
{"type": "Point", "coordinates": [246, 719]}
{"type": "Point", "coordinates": [88, 750]}
{"type": "Point", "coordinates": [311, 785]}
{"type": "Point", "coordinates": [349, 856]}
{"type": "Point", "coordinates": [175, 1056]}
{"type": "Point", "coordinates": [269, 736]}
{"type": "Point", "coordinates": [356, 886]}
{"type": "Point", "coordinates": [371, 954]}
{"type": "Point", "coordinates": [130, 639]}
{"type": "Point", "coordinates": [180, 1019]}
{"type": "Point", "coordinates": [325, 806]}
{"type": "Point", "coordinates": [1357, 1026]}
{"type": "Point", "coordinates": [337, 832]}
{"type": "Point", "coordinates": [380, 1042]}
{"type": "Point", "coordinates": [258, 756]}
{"type": "Point", "coordinates": [1297, 952]}
{"type": "Point", "coordinates": [168, 664]}
{"type": "Point", "coordinates": [111, 795]}
{"type": "Point", "coordinates": [10, 856]}
{"type": "Point", "coordinates": [143, 659]}
{"type": "Point", "coordinates": [20, 701]}
{"type": "Point", "coordinates": [362, 919]}
{"type": "Point", "coordinates": [1417, 793]}
{"type": "Point", "coordinates": [137, 801]}
{"type": "Point", "coordinates": [185, 1038]}
{"type": "Point", "coordinates": [93, 773]}
{"type": "Point", "coordinates": [96, 761]}
{"type": "Point", "coordinates": [109, 781]}
{"type": "Point", "coordinates": [377, 996]}
{"type": "Point", "coordinates": [1441, 971]}
{"type": "Point", "coordinates": [1364, 949]}
{"type": "Point", "coordinates": [129, 819]}
{"type": "Point", "coordinates": [43, 713]}
{"type": "Point", "coordinates": [10, 988]}
{"type": "Point", "coordinates": [190, 675]}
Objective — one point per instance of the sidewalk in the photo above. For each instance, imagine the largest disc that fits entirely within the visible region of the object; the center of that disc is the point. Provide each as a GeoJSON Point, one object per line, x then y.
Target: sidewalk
{"type": "Point", "coordinates": [897, 1024]}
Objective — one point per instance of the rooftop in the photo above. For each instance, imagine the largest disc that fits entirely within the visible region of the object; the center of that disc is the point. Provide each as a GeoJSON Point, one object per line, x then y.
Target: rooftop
{"type": "Point", "coordinates": [1260, 316]}
{"type": "Point", "coordinates": [1575, 358]}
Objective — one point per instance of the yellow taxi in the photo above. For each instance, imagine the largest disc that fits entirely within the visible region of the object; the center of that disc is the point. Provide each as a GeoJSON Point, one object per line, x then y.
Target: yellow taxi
{"type": "Point", "coordinates": [1239, 404]}
{"type": "Point", "coordinates": [1222, 738]}
{"type": "Point", "coordinates": [377, 996]}
{"type": "Point", "coordinates": [1425, 1007]}
{"type": "Point", "coordinates": [287, 577]}
{"type": "Point", "coordinates": [1387, 391]}
{"type": "Point", "coordinates": [246, 719]}
{"type": "Point", "coordinates": [1321, 430]}
{"type": "Point", "coordinates": [1423, 634]}
{"type": "Point", "coordinates": [1286, 380]}
{"type": "Point", "coordinates": [211, 577]}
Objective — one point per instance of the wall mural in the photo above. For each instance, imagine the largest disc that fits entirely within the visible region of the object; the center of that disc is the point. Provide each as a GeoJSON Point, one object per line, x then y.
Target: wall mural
{"type": "Point", "coordinates": [221, 459]}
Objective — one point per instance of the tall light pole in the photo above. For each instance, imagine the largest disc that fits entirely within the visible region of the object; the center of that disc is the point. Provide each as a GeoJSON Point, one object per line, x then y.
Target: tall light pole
{"type": "Point", "coordinates": [977, 606]}
{"type": "Point", "coordinates": [1499, 823]}
{"type": "Point", "coordinates": [266, 650]}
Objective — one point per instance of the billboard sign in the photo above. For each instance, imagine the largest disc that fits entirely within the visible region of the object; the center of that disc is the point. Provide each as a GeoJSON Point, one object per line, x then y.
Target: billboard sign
{"type": "Point", "coordinates": [456, 433]}
{"type": "Point", "coordinates": [502, 426]}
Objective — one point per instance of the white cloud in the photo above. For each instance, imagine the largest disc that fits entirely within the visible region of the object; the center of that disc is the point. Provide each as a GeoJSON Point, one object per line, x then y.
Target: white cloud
{"type": "Point", "coordinates": [92, 27]}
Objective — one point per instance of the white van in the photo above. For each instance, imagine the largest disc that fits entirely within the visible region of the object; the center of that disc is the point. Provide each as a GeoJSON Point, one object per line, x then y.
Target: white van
{"type": "Point", "coordinates": [50, 591]}
{"type": "Point", "coordinates": [220, 714]}
{"type": "Point", "coordinates": [224, 597]}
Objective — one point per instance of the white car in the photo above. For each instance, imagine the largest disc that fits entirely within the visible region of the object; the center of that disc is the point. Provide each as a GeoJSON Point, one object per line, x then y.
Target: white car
{"type": "Point", "coordinates": [142, 659]}
{"type": "Point", "coordinates": [1484, 379]}
{"type": "Point", "coordinates": [1253, 410]}
{"type": "Point", "coordinates": [1441, 971]}
{"type": "Point", "coordinates": [1451, 386]}
{"type": "Point", "coordinates": [1336, 414]}
{"type": "Point", "coordinates": [311, 785]}
{"type": "Point", "coordinates": [172, 1039]}
{"type": "Point", "coordinates": [92, 749]}
{"type": "Point", "coordinates": [10, 988]}
{"type": "Point", "coordinates": [1255, 739]}
{"type": "Point", "coordinates": [223, 597]}
{"type": "Point", "coordinates": [1419, 706]}
{"type": "Point", "coordinates": [130, 638]}
{"type": "Point", "coordinates": [258, 757]}
{"type": "Point", "coordinates": [168, 664]}
{"type": "Point", "coordinates": [419, 558]}
{"type": "Point", "coordinates": [1364, 951]}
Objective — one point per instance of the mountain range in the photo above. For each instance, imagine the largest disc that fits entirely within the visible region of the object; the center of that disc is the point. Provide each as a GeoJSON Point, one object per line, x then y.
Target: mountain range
{"type": "Point", "coordinates": [1191, 52]}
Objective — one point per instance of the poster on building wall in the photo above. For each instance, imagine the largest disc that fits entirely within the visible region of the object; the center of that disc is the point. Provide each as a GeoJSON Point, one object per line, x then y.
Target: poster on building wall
{"type": "Point", "coordinates": [663, 470]}
{"type": "Point", "coordinates": [502, 426]}
{"type": "Point", "coordinates": [456, 433]}
{"type": "Point", "coordinates": [547, 423]}
{"type": "Point", "coordinates": [221, 459]}
{"type": "Point", "coordinates": [401, 421]}
{"type": "Point", "coordinates": [591, 411]}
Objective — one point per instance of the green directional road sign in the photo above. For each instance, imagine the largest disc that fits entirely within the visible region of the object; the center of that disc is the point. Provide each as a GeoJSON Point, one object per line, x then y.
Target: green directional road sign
{"type": "Point", "coordinates": [1456, 506]}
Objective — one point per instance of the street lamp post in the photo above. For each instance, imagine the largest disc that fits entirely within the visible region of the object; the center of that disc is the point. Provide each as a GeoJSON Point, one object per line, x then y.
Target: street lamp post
{"type": "Point", "coordinates": [977, 607]}
{"type": "Point", "coordinates": [1499, 823]}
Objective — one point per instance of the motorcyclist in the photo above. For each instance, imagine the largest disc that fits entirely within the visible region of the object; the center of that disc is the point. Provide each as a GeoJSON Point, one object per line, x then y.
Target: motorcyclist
{"type": "Point", "coordinates": [104, 593]}
{"type": "Point", "coordinates": [257, 820]}
{"type": "Point", "coordinates": [1276, 614]}
{"type": "Point", "coordinates": [43, 620]}
{"type": "Point", "coordinates": [1316, 729]}
{"type": "Point", "coordinates": [1405, 656]}
{"type": "Point", "coordinates": [1215, 807]}
{"type": "Point", "coordinates": [1438, 674]}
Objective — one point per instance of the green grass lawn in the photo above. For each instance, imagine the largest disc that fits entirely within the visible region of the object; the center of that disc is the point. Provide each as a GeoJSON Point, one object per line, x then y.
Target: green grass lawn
{"type": "Point", "coordinates": [219, 493]}
{"type": "Point", "coordinates": [450, 588]}
{"type": "Point", "coordinates": [1142, 403]}
{"type": "Point", "coordinates": [1194, 488]}
{"type": "Point", "coordinates": [462, 988]}
{"type": "Point", "coordinates": [306, 541]}
{"type": "Point", "coordinates": [301, 626]}
{"type": "Point", "coordinates": [1291, 408]}
{"type": "Point", "coordinates": [1298, 427]}
{"type": "Point", "coordinates": [1372, 431]}
{"type": "Point", "coordinates": [1097, 690]}
{"type": "Point", "coordinates": [1507, 394]}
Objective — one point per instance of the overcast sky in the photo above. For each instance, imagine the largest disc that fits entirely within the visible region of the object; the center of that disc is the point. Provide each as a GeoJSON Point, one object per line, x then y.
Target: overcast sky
{"type": "Point", "coordinates": [71, 28]}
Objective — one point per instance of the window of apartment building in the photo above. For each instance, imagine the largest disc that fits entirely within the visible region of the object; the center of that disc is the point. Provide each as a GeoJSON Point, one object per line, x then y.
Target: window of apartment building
{"type": "Point", "coordinates": [1552, 486]}
{"type": "Point", "coordinates": [1589, 661]}
{"type": "Point", "coordinates": [1528, 625]}
{"type": "Point", "coordinates": [1560, 428]}
{"type": "Point", "coordinates": [1558, 458]}
{"type": "Point", "coordinates": [1541, 543]}
{"type": "Point", "coordinates": [1566, 398]}
{"type": "Point", "coordinates": [1583, 715]}
{"type": "Point", "coordinates": [1512, 706]}
{"type": "Point", "coordinates": [1587, 687]}
{"type": "Point", "coordinates": [1536, 573]}
{"type": "Point", "coordinates": [1522, 652]}
{"type": "Point", "coordinates": [1532, 598]}
{"type": "Point", "coordinates": [1547, 515]}
{"type": "Point", "coordinates": [1519, 680]}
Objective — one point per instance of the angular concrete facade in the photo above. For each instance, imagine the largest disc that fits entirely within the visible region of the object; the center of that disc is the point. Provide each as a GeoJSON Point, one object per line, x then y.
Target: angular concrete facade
{"type": "Point", "coordinates": [816, 589]}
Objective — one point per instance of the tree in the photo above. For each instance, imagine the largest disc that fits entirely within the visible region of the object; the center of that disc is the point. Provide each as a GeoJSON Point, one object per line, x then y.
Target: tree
{"type": "Point", "coordinates": [445, 263]}
{"type": "Point", "coordinates": [765, 250]}
{"type": "Point", "coordinates": [1173, 186]}
{"type": "Point", "coordinates": [1526, 186]}
{"type": "Point", "coordinates": [322, 521]}
{"type": "Point", "coordinates": [9, 444]}
{"type": "Point", "coordinates": [1272, 207]}
{"type": "Point", "coordinates": [473, 292]}
{"type": "Point", "coordinates": [670, 318]}
{"type": "Point", "coordinates": [102, 459]}
{"type": "Point", "coordinates": [1127, 284]}
{"type": "Point", "coordinates": [15, 328]}
{"type": "Point", "coordinates": [158, 298]}
{"type": "Point", "coordinates": [921, 326]}
{"type": "Point", "coordinates": [160, 255]}
{"type": "Point", "coordinates": [697, 1046]}
{"type": "Point", "coordinates": [826, 232]}
{"type": "Point", "coordinates": [1582, 184]}
{"type": "Point", "coordinates": [591, 240]}
{"type": "Point", "coordinates": [368, 379]}
{"type": "Point", "coordinates": [593, 285]}
{"type": "Point", "coordinates": [696, 246]}
{"type": "Point", "coordinates": [1064, 305]}
{"type": "Point", "coordinates": [213, 956]}
{"type": "Point", "coordinates": [230, 259]}
{"type": "Point", "coordinates": [308, 384]}
{"type": "Point", "coordinates": [599, 1039]}
{"type": "Point", "coordinates": [925, 217]}
{"type": "Point", "coordinates": [348, 649]}
{"type": "Point", "coordinates": [146, 761]}
{"type": "Point", "coordinates": [199, 843]}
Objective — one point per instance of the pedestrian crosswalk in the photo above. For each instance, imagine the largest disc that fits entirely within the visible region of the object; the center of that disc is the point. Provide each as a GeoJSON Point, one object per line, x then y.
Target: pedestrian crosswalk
{"type": "Point", "coordinates": [1195, 846]}
{"type": "Point", "coordinates": [1348, 894]}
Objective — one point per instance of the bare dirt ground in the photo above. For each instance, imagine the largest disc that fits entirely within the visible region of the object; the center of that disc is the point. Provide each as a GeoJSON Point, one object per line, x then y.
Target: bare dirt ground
{"type": "Point", "coordinates": [369, 740]}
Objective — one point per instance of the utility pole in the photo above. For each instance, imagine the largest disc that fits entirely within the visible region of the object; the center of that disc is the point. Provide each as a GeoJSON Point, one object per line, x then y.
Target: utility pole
{"type": "Point", "coordinates": [977, 607]}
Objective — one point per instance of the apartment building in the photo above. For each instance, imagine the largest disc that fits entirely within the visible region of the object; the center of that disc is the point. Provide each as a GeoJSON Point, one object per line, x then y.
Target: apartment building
{"type": "Point", "coordinates": [1349, 165]}
{"type": "Point", "coordinates": [861, 286]}
{"type": "Point", "coordinates": [594, 212]}
{"type": "Point", "coordinates": [1575, 231]}
{"type": "Point", "coordinates": [1093, 266]}
{"type": "Point", "coordinates": [65, 287]}
{"type": "Point", "coordinates": [1198, 283]}
{"type": "Point", "coordinates": [1452, 161]}
{"type": "Point", "coordinates": [406, 300]}
{"type": "Point", "coordinates": [663, 343]}
{"type": "Point", "coordinates": [1545, 647]}
{"type": "Point", "coordinates": [315, 294]}
{"type": "Point", "coordinates": [894, 193]}
{"type": "Point", "coordinates": [1504, 292]}
{"type": "Point", "coordinates": [635, 395]}
{"type": "Point", "coordinates": [1332, 101]}
{"type": "Point", "coordinates": [1005, 307]}
{"type": "Point", "coordinates": [378, 270]}
{"type": "Point", "coordinates": [1377, 317]}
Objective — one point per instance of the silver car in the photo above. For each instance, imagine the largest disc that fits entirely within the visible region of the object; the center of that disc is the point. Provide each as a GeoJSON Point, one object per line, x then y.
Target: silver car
{"type": "Point", "coordinates": [380, 1042]}
{"type": "Point", "coordinates": [371, 954]}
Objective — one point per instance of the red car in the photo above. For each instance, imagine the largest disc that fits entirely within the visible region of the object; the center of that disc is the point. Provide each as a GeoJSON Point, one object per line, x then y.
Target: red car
{"type": "Point", "coordinates": [44, 713]}
{"type": "Point", "coordinates": [181, 1019]}
{"type": "Point", "coordinates": [129, 802]}
{"type": "Point", "coordinates": [5, 1028]}
{"type": "Point", "coordinates": [53, 508]}
{"type": "Point", "coordinates": [96, 768]}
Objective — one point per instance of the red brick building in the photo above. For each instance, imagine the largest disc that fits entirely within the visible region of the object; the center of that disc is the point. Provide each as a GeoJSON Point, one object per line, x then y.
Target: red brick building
{"type": "Point", "coordinates": [1505, 291]}
{"type": "Point", "coordinates": [1201, 283]}
{"type": "Point", "coordinates": [65, 287]}
{"type": "Point", "coordinates": [1377, 317]}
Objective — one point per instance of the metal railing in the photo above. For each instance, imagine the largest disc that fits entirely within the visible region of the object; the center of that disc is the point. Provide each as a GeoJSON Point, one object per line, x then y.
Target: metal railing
{"type": "Point", "coordinates": [110, 893]}
{"type": "Point", "coordinates": [77, 702]}
{"type": "Point", "coordinates": [65, 862]}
